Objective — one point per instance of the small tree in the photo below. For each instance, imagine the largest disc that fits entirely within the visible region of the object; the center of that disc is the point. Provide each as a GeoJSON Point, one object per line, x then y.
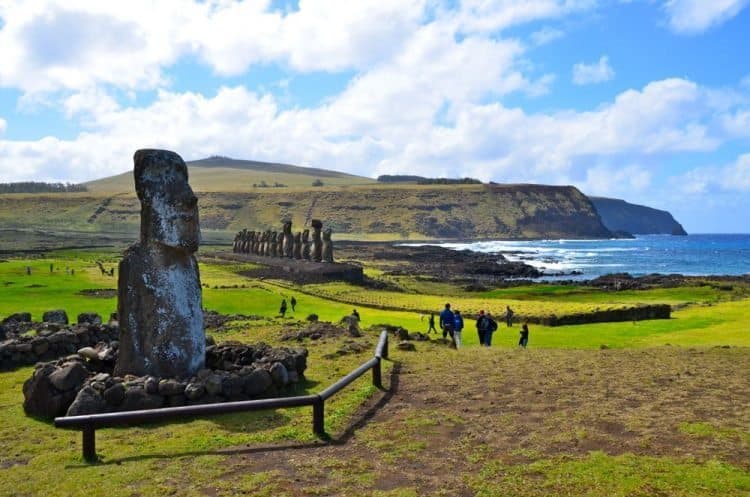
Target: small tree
{"type": "Point", "coordinates": [317, 182]}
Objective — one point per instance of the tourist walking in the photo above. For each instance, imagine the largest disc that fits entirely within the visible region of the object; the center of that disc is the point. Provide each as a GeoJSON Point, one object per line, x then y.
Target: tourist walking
{"type": "Point", "coordinates": [447, 322]}
{"type": "Point", "coordinates": [509, 316]}
{"type": "Point", "coordinates": [483, 325]}
{"type": "Point", "coordinates": [458, 325]}
{"type": "Point", "coordinates": [282, 309]}
{"type": "Point", "coordinates": [524, 340]}
{"type": "Point", "coordinates": [355, 314]}
{"type": "Point", "coordinates": [293, 301]}
{"type": "Point", "coordinates": [491, 328]}
{"type": "Point", "coordinates": [432, 324]}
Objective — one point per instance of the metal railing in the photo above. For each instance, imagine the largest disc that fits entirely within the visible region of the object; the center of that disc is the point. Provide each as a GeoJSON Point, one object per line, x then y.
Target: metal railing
{"type": "Point", "coordinates": [89, 423]}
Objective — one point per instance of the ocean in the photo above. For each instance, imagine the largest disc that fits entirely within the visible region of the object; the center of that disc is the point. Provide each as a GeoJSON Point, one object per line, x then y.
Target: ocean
{"type": "Point", "coordinates": [692, 255]}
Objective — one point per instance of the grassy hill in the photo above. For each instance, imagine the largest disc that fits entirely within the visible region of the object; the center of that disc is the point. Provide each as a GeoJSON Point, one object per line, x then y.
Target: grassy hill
{"type": "Point", "coordinates": [221, 174]}
{"type": "Point", "coordinates": [354, 207]}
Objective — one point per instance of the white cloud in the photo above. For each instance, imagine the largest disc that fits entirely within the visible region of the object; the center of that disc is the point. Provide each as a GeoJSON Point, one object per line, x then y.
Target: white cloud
{"type": "Point", "coordinates": [546, 35]}
{"type": "Point", "coordinates": [3, 125]}
{"type": "Point", "coordinates": [599, 72]}
{"type": "Point", "coordinates": [620, 182]}
{"type": "Point", "coordinates": [696, 16]}
{"type": "Point", "coordinates": [710, 180]}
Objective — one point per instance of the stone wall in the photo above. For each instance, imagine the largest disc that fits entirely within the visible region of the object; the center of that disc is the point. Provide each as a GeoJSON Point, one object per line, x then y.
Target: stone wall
{"type": "Point", "coordinates": [50, 340]}
{"type": "Point", "coordinates": [639, 313]}
{"type": "Point", "coordinates": [82, 384]}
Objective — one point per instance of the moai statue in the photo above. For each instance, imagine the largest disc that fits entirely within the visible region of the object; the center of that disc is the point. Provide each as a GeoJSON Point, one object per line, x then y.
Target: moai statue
{"type": "Point", "coordinates": [327, 246]}
{"type": "Point", "coordinates": [280, 244]}
{"type": "Point", "coordinates": [249, 242]}
{"type": "Point", "coordinates": [317, 243]}
{"type": "Point", "coordinates": [269, 241]}
{"type": "Point", "coordinates": [297, 245]}
{"type": "Point", "coordinates": [306, 245]}
{"type": "Point", "coordinates": [274, 244]}
{"type": "Point", "coordinates": [244, 240]}
{"type": "Point", "coordinates": [235, 245]}
{"type": "Point", "coordinates": [159, 289]}
{"type": "Point", "coordinates": [256, 243]}
{"type": "Point", "coordinates": [288, 240]}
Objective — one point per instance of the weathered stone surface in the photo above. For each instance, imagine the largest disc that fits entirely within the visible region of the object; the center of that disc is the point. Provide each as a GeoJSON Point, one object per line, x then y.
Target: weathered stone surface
{"type": "Point", "coordinates": [327, 246]}
{"type": "Point", "coordinates": [159, 290]}
{"type": "Point", "coordinates": [88, 353]}
{"type": "Point", "coordinates": [317, 243]}
{"type": "Point", "coordinates": [194, 391]}
{"type": "Point", "coordinates": [88, 401]}
{"type": "Point", "coordinates": [57, 316]}
{"type": "Point", "coordinates": [69, 377]}
{"type": "Point", "coordinates": [288, 241]}
{"type": "Point", "coordinates": [18, 317]}
{"type": "Point", "coordinates": [40, 345]}
{"type": "Point", "coordinates": [151, 385]}
{"type": "Point", "coordinates": [41, 399]}
{"type": "Point", "coordinates": [115, 394]}
{"type": "Point", "coordinates": [257, 382]}
{"type": "Point", "coordinates": [279, 374]}
{"type": "Point", "coordinates": [137, 399]}
{"type": "Point", "coordinates": [406, 346]}
{"type": "Point", "coordinates": [89, 318]}
{"type": "Point", "coordinates": [213, 384]}
{"type": "Point", "coordinates": [232, 386]}
{"type": "Point", "coordinates": [297, 245]}
{"type": "Point", "coordinates": [171, 387]}
{"type": "Point", "coordinates": [306, 245]}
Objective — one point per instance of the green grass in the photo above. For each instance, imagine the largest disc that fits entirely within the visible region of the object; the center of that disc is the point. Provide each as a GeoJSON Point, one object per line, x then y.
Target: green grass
{"type": "Point", "coordinates": [186, 458]}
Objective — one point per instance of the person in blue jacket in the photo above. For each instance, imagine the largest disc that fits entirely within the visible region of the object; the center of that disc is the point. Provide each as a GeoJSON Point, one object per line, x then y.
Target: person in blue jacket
{"type": "Point", "coordinates": [458, 325]}
{"type": "Point", "coordinates": [448, 322]}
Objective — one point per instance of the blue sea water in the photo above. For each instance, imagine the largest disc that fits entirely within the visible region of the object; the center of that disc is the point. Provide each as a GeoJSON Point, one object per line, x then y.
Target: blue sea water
{"type": "Point", "coordinates": [695, 255]}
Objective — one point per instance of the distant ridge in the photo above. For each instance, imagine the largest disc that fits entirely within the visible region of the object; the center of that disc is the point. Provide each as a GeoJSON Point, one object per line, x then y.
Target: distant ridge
{"type": "Point", "coordinates": [619, 215]}
{"type": "Point", "coordinates": [217, 161]}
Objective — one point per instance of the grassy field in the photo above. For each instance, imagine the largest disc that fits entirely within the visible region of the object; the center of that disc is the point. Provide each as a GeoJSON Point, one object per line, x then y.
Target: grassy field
{"type": "Point", "coordinates": [661, 412]}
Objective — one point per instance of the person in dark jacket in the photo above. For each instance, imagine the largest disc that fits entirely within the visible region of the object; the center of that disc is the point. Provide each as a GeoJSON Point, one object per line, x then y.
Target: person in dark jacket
{"type": "Point", "coordinates": [431, 324]}
{"type": "Point", "coordinates": [293, 301]}
{"type": "Point", "coordinates": [282, 309]}
{"type": "Point", "coordinates": [447, 322]}
{"type": "Point", "coordinates": [509, 316]}
{"type": "Point", "coordinates": [483, 325]}
{"type": "Point", "coordinates": [524, 340]}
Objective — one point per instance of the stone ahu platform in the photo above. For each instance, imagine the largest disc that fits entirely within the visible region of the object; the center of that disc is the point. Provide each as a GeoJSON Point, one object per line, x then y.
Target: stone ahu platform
{"type": "Point", "coordinates": [297, 270]}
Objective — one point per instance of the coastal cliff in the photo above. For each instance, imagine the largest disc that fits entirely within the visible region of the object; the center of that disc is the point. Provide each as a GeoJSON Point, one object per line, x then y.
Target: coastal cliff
{"type": "Point", "coordinates": [619, 215]}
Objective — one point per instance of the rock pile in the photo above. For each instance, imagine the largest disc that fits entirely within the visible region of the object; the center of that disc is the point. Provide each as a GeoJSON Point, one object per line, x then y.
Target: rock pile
{"type": "Point", "coordinates": [84, 384]}
{"type": "Point", "coordinates": [315, 331]}
{"type": "Point", "coordinates": [52, 340]}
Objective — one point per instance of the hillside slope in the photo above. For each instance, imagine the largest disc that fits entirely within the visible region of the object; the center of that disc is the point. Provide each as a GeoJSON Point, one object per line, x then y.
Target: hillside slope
{"type": "Point", "coordinates": [619, 215]}
{"type": "Point", "coordinates": [220, 174]}
{"type": "Point", "coordinates": [356, 212]}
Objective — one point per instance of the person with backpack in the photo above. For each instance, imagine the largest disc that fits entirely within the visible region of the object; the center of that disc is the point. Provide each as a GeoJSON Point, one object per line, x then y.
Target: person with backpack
{"type": "Point", "coordinates": [458, 325]}
{"type": "Point", "coordinates": [447, 322]}
{"type": "Point", "coordinates": [483, 324]}
{"type": "Point", "coordinates": [491, 328]}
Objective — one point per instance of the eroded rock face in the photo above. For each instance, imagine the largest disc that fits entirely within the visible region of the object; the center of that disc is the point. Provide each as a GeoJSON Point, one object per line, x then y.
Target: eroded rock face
{"type": "Point", "coordinates": [159, 290]}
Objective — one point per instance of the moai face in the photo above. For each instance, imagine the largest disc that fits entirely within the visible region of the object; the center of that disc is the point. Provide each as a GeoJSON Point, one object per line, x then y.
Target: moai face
{"type": "Point", "coordinates": [169, 208]}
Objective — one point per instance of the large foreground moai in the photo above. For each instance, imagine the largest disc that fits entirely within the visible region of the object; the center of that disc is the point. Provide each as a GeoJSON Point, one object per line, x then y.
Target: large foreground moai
{"type": "Point", "coordinates": [159, 289]}
{"type": "Point", "coordinates": [327, 246]}
{"type": "Point", "coordinates": [288, 241]}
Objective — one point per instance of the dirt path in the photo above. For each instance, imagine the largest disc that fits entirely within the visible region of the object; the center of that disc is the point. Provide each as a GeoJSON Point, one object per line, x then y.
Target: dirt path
{"type": "Point", "coordinates": [447, 420]}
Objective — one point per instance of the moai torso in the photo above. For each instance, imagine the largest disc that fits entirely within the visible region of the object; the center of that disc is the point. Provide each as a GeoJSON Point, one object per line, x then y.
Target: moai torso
{"type": "Point", "coordinates": [274, 244]}
{"type": "Point", "coordinates": [327, 246]}
{"type": "Point", "coordinates": [297, 246]}
{"type": "Point", "coordinates": [317, 242]}
{"type": "Point", "coordinates": [159, 291]}
{"type": "Point", "coordinates": [288, 240]}
{"type": "Point", "coordinates": [306, 245]}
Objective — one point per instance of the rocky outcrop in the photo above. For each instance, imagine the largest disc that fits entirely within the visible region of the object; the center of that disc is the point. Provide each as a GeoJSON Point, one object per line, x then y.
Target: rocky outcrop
{"type": "Point", "coordinates": [621, 216]}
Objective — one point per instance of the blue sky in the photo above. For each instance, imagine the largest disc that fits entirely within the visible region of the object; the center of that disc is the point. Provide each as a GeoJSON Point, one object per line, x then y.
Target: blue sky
{"type": "Point", "coordinates": [646, 100]}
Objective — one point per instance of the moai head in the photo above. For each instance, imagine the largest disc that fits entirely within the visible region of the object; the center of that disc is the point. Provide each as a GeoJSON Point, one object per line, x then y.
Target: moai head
{"type": "Point", "coordinates": [317, 225]}
{"type": "Point", "coordinates": [169, 208]}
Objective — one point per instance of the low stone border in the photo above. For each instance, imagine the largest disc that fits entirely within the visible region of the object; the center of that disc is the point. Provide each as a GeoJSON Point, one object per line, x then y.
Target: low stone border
{"type": "Point", "coordinates": [52, 340]}
{"type": "Point", "coordinates": [84, 384]}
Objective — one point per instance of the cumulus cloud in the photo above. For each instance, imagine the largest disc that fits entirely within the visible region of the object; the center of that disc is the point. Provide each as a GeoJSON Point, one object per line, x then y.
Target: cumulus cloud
{"type": "Point", "coordinates": [546, 35]}
{"type": "Point", "coordinates": [729, 178]}
{"type": "Point", "coordinates": [599, 72]}
{"type": "Point", "coordinates": [696, 16]}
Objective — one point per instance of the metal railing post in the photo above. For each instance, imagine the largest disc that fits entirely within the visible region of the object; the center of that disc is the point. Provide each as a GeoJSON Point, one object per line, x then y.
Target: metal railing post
{"type": "Point", "coordinates": [89, 443]}
{"type": "Point", "coordinates": [377, 379]}
{"type": "Point", "coordinates": [385, 348]}
{"type": "Point", "coordinates": [319, 417]}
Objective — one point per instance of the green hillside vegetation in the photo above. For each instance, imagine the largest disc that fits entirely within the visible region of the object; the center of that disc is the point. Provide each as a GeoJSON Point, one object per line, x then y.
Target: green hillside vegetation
{"type": "Point", "coordinates": [218, 174]}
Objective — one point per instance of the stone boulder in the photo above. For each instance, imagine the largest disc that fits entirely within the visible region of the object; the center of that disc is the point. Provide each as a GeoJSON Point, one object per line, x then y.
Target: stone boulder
{"type": "Point", "coordinates": [88, 401]}
{"type": "Point", "coordinates": [58, 316]}
{"type": "Point", "coordinates": [69, 377]}
{"type": "Point", "coordinates": [89, 318]}
{"type": "Point", "coordinates": [136, 399]}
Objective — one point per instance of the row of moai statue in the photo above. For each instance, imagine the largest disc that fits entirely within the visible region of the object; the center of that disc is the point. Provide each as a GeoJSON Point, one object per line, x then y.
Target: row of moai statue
{"type": "Point", "coordinates": [286, 244]}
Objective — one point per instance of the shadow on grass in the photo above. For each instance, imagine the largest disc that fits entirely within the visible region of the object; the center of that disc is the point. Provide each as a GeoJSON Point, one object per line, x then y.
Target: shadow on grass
{"type": "Point", "coordinates": [235, 422]}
